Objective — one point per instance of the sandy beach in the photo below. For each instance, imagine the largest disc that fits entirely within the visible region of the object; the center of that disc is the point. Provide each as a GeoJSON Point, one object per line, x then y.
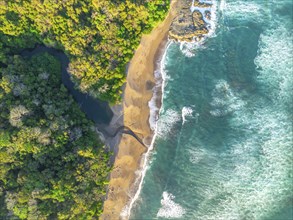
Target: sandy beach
{"type": "Point", "coordinates": [135, 110]}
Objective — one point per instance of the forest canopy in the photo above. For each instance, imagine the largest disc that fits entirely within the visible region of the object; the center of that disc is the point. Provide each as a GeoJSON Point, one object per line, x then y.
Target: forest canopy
{"type": "Point", "coordinates": [52, 163]}
{"type": "Point", "coordinates": [99, 36]}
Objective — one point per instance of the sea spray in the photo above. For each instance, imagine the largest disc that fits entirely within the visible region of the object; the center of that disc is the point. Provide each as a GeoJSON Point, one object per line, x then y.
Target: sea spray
{"type": "Point", "coordinates": [186, 112]}
{"type": "Point", "coordinates": [248, 11]}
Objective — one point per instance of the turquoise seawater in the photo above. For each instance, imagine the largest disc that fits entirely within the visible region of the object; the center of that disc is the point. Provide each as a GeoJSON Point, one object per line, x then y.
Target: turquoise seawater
{"type": "Point", "coordinates": [224, 144]}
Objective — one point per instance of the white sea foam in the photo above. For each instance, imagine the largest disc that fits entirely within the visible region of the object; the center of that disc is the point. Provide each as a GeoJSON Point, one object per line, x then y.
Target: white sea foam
{"type": "Point", "coordinates": [166, 122]}
{"type": "Point", "coordinates": [169, 208]}
{"type": "Point", "coordinates": [206, 1]}
{"type": "Point", "coordinates": [261, 166]}
{"type": "Point", "coordinates": [186, 112]}
{"type": "Point", "coordinates": [222, 5]}
{"type": "Point", "coordinates": [224, 100]}
{"type": "Point", "coordinates": [192, 6]}
{"type": "Point", "coordinates": [213, 21]}
{"type": "Point", "coordinates": [154, 109]}
{"type": "Point", "coordinates": [275, 62]}
{"type": "Point", "coordinates": [153, 113]}
{"type": "Point", "coordinates": [243, 10]}
{"type": "Point", "coordinates": [188, 49]}
{"type": "Point", "coordinates": [263, 158]}
{"type": "Point", "coordinates": [259, 180]}
{"type": "Point", "coordinates": [255, 174]}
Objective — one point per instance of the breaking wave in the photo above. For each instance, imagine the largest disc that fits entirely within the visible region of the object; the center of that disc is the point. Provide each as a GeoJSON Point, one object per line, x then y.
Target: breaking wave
{"type": "Point", "coordinates": [189, 49]}
{"type": "Point", "coordinates": [169, 208]}
{"type": "Point", "coordinates": [186, 112]}
{"type": "Point", "coordinates": [166, 122]}
{"type": "Point", "coordinates": [161, 78]}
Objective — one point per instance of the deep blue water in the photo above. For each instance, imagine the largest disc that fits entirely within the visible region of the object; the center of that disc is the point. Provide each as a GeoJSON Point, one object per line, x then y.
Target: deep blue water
{"type": "Point", "coordinates": [225, 137]}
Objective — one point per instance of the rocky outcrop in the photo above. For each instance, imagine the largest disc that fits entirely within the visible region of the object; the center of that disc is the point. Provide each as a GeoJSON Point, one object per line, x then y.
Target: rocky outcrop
{"type": "Point", "coordinates": [191, 22]}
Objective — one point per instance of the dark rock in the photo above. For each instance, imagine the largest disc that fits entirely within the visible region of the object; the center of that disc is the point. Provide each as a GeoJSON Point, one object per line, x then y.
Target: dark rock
{"type": "Point", "coordinates": [150, 85]}
{"type": "Point", "coordinates": [188, 25]}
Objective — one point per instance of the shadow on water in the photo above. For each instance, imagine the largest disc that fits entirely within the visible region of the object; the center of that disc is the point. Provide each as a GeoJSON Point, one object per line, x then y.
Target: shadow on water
{"type": "Point", "coordinates": [96, 110]}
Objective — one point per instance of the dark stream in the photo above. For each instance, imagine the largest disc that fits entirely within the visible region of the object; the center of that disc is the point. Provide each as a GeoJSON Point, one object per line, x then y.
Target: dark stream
{"type": "Point", "coordinates": [96, 110]}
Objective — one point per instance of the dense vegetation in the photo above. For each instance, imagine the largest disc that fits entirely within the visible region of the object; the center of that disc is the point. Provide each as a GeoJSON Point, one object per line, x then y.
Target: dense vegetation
{"type": "Point", "coordinates": [99, 36]}
{"type": "Point", "coordinates": [52, 164]}
{"type": "Point", "coordinates": [50, 160]}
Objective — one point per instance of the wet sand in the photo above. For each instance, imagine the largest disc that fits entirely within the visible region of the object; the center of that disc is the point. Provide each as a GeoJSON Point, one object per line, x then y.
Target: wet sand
{"type": "Point", "coordinates": [135, 110]}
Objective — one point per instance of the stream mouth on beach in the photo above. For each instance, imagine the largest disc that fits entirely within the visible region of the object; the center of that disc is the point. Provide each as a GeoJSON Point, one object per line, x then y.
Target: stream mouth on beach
{"type": "Point", "coordinates": [96, 110]}
{"type": "Point", "coordinates": [223, 147]}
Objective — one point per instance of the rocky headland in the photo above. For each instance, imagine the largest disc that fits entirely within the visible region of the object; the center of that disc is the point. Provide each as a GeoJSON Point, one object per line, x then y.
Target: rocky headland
{"type": "Point", "coordinates": [192, 22]}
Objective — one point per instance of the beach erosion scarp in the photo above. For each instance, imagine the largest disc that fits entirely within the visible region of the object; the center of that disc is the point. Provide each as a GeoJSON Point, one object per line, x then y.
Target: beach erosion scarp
{"type": "Point", "coordinates": [124, 178]}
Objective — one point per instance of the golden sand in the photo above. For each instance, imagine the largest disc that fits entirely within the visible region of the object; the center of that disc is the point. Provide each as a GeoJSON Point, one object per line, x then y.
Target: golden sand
{"type": "Point", "coordinates": [136, 113]}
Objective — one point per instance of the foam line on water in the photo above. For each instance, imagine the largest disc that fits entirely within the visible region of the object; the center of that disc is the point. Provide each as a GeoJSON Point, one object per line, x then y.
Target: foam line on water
{"type": "Point", "coordinates": [274, 63]}
{"type": "Point", "coordinates": [244, 11]}
{"type": "Point", "coordinates": [154, 109]}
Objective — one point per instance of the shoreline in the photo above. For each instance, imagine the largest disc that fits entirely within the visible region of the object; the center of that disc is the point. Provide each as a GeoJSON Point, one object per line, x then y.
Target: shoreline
{"type": "Point", "coordinates": [157, 101]}
{"type": "Point", "coordinates": [141, 88]}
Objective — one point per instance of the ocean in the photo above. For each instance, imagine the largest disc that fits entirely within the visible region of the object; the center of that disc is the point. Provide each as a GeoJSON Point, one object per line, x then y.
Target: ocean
{"type": "Point", "coordinates": [223, 146]}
